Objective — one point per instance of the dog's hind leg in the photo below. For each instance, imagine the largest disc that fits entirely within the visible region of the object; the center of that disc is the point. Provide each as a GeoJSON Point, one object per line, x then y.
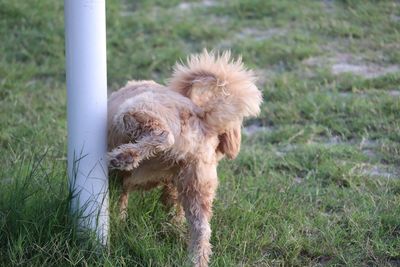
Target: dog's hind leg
{"type": "Point", "coordinates": [123, 204]}
{"type": "Point", "coordinates": [170, 200]}
{"type": "Point", "coordinates": [128, 156]}
{"type": "Point", "coordinates": [151, 137]}
{"type": "Point", "coordinates": [197, 188]}
{"type": "Point", "coordinates": [124, 196]}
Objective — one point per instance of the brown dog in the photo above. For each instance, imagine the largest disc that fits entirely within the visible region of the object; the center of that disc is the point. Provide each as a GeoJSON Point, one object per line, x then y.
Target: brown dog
{"type": "Point", "coordinates": [175, 135]}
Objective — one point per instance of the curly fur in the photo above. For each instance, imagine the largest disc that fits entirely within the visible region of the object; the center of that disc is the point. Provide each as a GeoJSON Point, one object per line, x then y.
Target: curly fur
{"type": "Point", "coordinates": [175, 135]}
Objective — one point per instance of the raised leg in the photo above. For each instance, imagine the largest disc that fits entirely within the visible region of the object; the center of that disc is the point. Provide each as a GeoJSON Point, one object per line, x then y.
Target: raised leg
{"type": "Point", "coordinates": [149, 138]}
{"type": "Point", "coordinates": [196, 192]}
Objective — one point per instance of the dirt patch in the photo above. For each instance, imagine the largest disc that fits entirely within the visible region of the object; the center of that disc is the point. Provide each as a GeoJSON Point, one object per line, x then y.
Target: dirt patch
{"type": "Point", "coordinates": [217, 19]}
{"type": "Point", "coordinates": [334, 140]}
{"type": "Point", "coordinates": [346, 63]}
{"type": "Point", "coordinates": [201, 4]}
{"type": "Point", "coordinates": [328, 6]}
{"type": "Point", "coordinates": [184, 6]}
{"type": "Point", "coordinates": [369, 147]}
{"type": "Point", "coordinates": [369, 144]}
{"type": "Point", "coordinates": [394, 92]}
{"type": "Point", "coordinates": [254, 34]}
{"type": "Point", "coordinates": [298, 180]}
{"type": "Point", "coordinates": [385, 171]}
{"type": "Point", "coordinates": [259, 34]}
{"type": "Point", "coordinates": [263, 76]}
{"type": "Point", "coordinates": [365, 94]}
{"type": "Point", "coordinates": [367, 71]}
{"type": "Point", "coordinates": [253, 129]}
{"type": "Point", "coordinates": [395, 18]}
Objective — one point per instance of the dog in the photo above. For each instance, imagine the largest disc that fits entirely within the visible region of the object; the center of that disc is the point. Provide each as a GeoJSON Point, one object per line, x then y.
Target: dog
{"type": "Point", "coordinates": [175, 135]}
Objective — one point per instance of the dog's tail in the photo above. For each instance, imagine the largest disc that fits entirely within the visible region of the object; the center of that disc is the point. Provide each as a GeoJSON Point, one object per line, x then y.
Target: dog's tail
{"type": "Point", "coordinates": [222, 87]}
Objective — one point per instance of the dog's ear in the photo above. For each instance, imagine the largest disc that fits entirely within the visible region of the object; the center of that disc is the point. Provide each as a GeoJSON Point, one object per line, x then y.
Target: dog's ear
{"type": "Point", "coordinates": [229, 142]}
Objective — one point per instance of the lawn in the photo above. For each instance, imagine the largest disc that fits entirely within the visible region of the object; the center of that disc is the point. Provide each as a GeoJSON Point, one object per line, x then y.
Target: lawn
{"type": "Point", "coordinates": [317, 181]}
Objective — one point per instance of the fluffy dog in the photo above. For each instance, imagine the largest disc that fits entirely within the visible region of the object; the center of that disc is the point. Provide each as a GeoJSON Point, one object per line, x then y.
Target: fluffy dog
{"type": "Point", "coordinates": [175, 135]}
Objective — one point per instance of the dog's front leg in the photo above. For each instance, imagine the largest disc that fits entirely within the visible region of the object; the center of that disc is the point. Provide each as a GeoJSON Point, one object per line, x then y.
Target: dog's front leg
{"type": "Point", "coordinates": [196, 192]}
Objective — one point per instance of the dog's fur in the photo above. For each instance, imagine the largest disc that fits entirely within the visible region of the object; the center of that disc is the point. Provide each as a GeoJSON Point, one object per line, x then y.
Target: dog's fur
{"type": "Point", "coordinates": [174, 136]}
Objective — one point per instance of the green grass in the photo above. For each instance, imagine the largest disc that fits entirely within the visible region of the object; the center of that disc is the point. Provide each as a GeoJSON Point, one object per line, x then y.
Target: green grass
{"type": "Point", "coordinates": [319, 186]}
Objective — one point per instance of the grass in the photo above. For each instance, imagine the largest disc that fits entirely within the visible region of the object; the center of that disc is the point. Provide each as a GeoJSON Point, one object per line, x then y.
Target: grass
{"type": "Point", "coordinates": [317, 185]}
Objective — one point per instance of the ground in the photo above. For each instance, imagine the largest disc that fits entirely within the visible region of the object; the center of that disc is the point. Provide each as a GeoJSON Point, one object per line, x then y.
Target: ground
{"type": "Point", "coordinates": [318, 178]}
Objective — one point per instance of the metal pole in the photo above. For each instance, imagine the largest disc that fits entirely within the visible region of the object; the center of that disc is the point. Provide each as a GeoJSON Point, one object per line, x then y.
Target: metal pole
{"type": "Point", "coordinates": [85, 41]}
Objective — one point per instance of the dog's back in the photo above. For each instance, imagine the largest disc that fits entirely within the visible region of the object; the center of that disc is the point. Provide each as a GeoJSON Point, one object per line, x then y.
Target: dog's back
{"type": "Point", "coordinates": [151, 101]}
{"type": "Point", "coordinates": [116, 99]}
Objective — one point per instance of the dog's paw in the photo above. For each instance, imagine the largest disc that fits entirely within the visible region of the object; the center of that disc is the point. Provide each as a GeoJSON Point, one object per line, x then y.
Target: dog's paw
{"type": "Point", "coordinates": [123, 159]}
{"type": "Point", "coordinates": [177, 219]}
{"type": "Point", "coordinates": [123, 214]}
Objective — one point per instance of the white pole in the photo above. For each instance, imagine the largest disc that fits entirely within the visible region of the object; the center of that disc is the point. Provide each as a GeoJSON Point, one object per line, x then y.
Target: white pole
{"type": "Point", "coordinates": [85, 41]}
